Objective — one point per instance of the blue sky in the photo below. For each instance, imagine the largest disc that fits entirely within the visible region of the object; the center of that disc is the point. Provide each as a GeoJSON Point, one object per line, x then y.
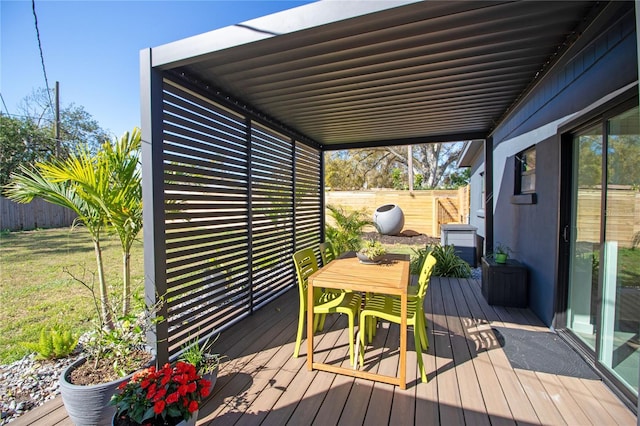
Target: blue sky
{"type": "Point", "coordinates": [92, 47]}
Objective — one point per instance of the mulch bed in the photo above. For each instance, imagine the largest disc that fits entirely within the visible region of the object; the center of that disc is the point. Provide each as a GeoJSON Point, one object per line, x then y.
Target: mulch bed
{"type": "Point", "coordinates": [406, 237]}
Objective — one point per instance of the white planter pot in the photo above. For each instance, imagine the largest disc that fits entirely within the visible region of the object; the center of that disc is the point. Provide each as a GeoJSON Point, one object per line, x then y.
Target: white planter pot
{"type": "Point", "coordinates": [388, 219]}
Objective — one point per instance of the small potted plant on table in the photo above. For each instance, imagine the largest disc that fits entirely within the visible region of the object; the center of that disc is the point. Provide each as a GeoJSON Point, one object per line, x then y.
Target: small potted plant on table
{"type": "Point", "coordinates": [371, 252]}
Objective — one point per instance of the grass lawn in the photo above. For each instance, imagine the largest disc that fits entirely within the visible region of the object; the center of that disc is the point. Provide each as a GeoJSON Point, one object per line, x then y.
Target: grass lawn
{"type": "Point", "coordinates": [35, 292]}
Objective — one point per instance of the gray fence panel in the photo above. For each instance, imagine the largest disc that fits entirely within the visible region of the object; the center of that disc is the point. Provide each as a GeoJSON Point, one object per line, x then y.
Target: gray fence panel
{"type": "Point", "coordinates": [37, 214]}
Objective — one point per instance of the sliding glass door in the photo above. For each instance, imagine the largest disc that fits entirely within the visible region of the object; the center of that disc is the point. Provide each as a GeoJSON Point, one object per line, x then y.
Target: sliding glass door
{"type": "Point", "coordinates": [603, 307]}
{"type": "Point", "coordinates": [584, 246]}
{"type": "Point", "coordinates": [620, 311]}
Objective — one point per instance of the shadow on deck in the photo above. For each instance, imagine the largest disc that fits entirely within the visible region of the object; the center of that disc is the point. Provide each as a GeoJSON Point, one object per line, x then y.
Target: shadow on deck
{"type": "Point", "coordinates": [477, 372]}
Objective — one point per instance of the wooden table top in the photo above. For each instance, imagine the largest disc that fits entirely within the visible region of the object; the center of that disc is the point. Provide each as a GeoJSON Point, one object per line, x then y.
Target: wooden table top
{"type": "Point", "coordinates": [390, 276]}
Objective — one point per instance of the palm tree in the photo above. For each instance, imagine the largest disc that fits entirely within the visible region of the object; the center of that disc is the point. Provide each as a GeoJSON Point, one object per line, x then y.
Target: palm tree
{"type": "Point", "coordinates": [111, 180]}
{"type": "Point", "coordinates": [124, 208]}
{"type": "Point", "coordinates": [29, 184]}
{"type": "Point", "coordinates": [104, 190]}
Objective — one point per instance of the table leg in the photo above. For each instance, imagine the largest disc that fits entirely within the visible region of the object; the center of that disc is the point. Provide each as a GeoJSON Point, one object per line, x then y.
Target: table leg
{"type": "Point", "coordinates": [403, 341]}
{"type": "Point", "coordinates": [310, 326]}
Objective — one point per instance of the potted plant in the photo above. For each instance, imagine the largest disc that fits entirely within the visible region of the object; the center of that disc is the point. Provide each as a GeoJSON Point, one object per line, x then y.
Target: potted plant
{"type": "Point", "coordinates": [501, 253]}
{"type": "Point", "coordinates": [168, 396]}
{"type": "Point", "coordinates": [206, 363]}
{"type": "Point", "coordinates": [109, 357]}
{"type": "Point", "coordinates": [371, 252]}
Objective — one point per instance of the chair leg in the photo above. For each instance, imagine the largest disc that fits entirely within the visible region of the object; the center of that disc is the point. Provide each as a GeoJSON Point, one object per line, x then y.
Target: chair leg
{"type": "Point", "coordinates": [418, 343]}
{"type": "Point", "coordinates": [363, 331]}
{"type": "Point", "coordinates": [321, 322]}
{"type": "Point", "coordinates": [371, 325]}
{"type": "Point", "coordinates": [351, 337]}
{"type": "Point", "coordinates": [296, 350]}
{"type": "Point", "coordinates": [421, 326]}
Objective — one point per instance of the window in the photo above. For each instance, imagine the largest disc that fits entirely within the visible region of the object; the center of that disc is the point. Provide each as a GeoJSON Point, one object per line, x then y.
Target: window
{"type": "Point", "coordinates": [526, 171]}
{"type": "Point", "coordinates": [525, 183]}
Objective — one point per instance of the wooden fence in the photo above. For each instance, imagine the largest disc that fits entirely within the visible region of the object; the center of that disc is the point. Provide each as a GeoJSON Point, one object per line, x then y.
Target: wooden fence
{"type": "Point", "coordinates": [37, 214]}
{"type": "Point", "coordinates": [424, 211]}
{"type": "Point", "coordinates": [622, 215]}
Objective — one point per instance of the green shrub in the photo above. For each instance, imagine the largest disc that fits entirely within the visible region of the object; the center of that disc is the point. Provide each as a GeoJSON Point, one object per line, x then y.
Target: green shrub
{"type": "Point", "coordinates": [345, 235]}
{"type": "Point", "coordinates": [449, 264]}
{"type": "Point", "coordinates": [56, 342]}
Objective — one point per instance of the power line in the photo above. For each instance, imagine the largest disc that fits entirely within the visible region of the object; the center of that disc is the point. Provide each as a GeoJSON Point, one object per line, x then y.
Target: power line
{"type": "Point", "coordinates": [44, 70]}
{"type": "Point", "coordinates": [4, 104]}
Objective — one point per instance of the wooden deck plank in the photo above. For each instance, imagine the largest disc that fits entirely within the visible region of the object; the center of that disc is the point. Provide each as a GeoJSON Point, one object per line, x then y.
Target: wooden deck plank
{"type": "Point", "coordinates": [465, 355]}
{"type": "Point", "coordinates": [379, 410]}
{"type": "Point", "coordinates": [260, 383]}
{"type": "Point", "coordinates": [521, 408]}
{"type": "Point", "coordinates": [563, 400]}
{"type": "Point", "coordinates": [591, 407]}
{"type": "Point", "coordinates": [449, 401]}
{"type": "Point", "coordinates": [50, 413]}
{"type": "Point", "coordinates": [338, 348]}
{"type": "Point", "coordinates": [610, 402]}
{"type": "Point", "coordinates": [404, 401]}
{"type": "Point", "coordinates": [485, 341]}
{"type": "Point", "coordinates": [264, 365]}
{"type": "Point", "coordinates": [427, 410]}
{"type": "Point", "coordinates": [545, 409]}
{"type": "Point", "coordinates": [241, 349]}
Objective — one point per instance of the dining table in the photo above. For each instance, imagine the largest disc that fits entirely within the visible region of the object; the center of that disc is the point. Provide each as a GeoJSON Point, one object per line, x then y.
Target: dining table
{"type": "Point", "coordinates": [390, 276]}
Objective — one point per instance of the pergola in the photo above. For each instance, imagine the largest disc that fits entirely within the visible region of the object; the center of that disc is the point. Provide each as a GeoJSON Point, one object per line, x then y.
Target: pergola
{"type": "Point", "coordinates": [235, 122]}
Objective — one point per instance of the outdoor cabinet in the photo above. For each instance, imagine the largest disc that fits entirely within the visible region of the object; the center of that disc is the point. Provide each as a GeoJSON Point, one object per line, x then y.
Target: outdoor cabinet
{"type": "Point", "coordinates": [504, 284]}
{"type": "Point", "coordinates": [463, 238]}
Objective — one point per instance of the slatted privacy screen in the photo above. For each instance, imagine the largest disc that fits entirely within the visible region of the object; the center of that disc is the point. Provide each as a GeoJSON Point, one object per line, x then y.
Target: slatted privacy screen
{"type": "Point", "coordinates": [231, 211]}
{"type": "Point", "coordinates": [308, 190]}
{"type": "Point", "coordinates": [272, 212]}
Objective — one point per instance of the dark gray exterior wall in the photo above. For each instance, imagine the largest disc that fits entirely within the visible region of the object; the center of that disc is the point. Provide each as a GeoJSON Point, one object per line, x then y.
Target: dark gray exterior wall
{"type": "Point", "coordinates": [606, 62]}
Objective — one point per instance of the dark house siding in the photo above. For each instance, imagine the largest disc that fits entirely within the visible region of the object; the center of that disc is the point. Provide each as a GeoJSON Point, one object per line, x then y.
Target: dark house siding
{"type": "Point", "coordinates": [605, 63]}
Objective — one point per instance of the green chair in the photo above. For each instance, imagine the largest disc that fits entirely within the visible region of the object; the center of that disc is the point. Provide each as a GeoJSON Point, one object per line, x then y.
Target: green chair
{"type": "Point", "coordinates": [324, 302]}
{"type": "Point", "coordinates": [388, 308]}
{"type": "Point", "coordinates": [326, 251]}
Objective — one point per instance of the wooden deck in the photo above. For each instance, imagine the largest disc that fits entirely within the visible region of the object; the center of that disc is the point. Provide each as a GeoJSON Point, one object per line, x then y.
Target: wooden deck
{"type": "Point", "coordinates": [471, 380]}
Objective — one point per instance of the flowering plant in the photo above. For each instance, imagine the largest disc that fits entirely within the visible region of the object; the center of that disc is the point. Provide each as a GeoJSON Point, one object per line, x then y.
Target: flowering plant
{"type": "Point", "coordinates": [161, 396]}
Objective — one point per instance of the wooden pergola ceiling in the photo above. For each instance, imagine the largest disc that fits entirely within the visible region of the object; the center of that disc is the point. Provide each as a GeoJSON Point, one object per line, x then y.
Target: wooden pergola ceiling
{"type": "Point", "coordinates": [356, 74]}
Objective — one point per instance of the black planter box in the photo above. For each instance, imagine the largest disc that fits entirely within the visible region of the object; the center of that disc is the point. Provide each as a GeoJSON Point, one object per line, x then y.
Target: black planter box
{"type": "Point", "coordinates": [505, 284]}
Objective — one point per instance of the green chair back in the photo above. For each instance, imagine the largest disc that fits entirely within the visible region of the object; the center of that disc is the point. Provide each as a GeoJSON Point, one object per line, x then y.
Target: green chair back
{"type": "Point", "coordinates": [326, 251]}
{"type": "Point", "coordinates": [425, 275]}
{"type": "Point", "coordinates": [306, 264]}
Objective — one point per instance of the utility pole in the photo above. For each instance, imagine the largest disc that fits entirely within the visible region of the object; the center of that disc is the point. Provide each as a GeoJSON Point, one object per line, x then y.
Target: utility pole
{"type": "Point", "coordinates": [57, 125]}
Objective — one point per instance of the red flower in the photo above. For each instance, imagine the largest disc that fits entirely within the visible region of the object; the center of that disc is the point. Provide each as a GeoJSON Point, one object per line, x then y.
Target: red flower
{"type": "Point", "coordinates": [165, 380]}
{"type": "Point", "coordinates": [122, 385]}
{"type": "Point", "coordinates": [204, 391]}
{"type": "Point", "coordinates": [151, 392]}
{"type": "Point", "coordinates": [183, 389]}
{"type": "Point", "coordinates": [158, 407]}
{"type": "Point", "coordinates": [176, 389]}
{"type": "Point", "coordinates": [173, 397]}
{"type": "Point", "coordinates": [159, 395]}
